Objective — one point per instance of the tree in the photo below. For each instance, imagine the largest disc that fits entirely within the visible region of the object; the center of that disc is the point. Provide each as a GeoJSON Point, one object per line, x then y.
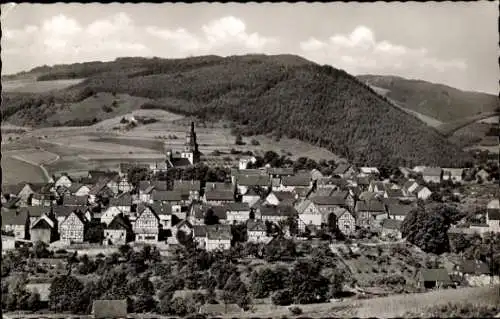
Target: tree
{"type": "Point", "coordinates": [137, 174]}
{"type": "Point", "coordinates": [268, 280]}
{"type": "Point", "coordinates": [40, 250]}
{"type": "Point", "coordinates": [95, 232]}
{"type": "Point", "coordinates": [307, 285]}
{"type": "Point", "coordinates": [65, 294]}
{"type": "Point", "coordinates": [144, 303]}
{"type": "Point", "coordinates": [282, 297]}
{"type": "Point", "coordinates": [427, 227]}
{"type": "Point", "coordinates": [210, 217]}
{"type": "Point", "coordinates": [239, 140]}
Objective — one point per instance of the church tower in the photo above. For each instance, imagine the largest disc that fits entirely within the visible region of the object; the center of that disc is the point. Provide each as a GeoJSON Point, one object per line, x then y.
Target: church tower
{"type": "Point", "coordinates": [191, 146]}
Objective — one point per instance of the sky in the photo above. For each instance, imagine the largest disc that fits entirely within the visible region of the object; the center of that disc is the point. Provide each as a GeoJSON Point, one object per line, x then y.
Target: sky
{"type": "Point", "coordinates": [454, 43]}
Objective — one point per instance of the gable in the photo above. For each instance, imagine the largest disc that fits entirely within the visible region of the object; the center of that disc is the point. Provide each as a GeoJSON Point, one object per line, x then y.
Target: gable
{"type": "Point", "coordinates": [72, 220]}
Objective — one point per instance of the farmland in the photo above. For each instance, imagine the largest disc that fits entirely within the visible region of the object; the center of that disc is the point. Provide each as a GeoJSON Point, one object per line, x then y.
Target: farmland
{"type": "Point", "coordinates": [30, 86]}
{"type": "Point", "coordinates": [15, 171]}
{"type": "Point", "coordinates": [384, 307]}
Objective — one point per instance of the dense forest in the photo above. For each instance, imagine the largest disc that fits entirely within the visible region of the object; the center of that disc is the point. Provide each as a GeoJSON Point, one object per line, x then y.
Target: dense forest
{"type": "Point", "coordinates": [280, 95]}
{"type": "Point", "coordinates": [438, 101]}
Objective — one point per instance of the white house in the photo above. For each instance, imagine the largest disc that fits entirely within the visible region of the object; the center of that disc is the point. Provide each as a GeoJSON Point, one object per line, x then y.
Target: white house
{"type": "Point", "coordinates": [276, 198]}
{"type": "Point", "coordinates": [256, 231]}
{"type": "Point", "coordinates": [409, 187]}
{"type": "Point", "coordinates": [237, 213]}
{"type": "Point", "coordinates": [63, 181]}
{"type": "Point", "coordinates": [453, 174]}
{"type": "Point", "coordinates": [309, 214]}
{"type": "Point", "coordinates": [218, 237]}
{"type": "Point", "coordinates": [493, 215]}
{"type": "Point", "coordinates": [423, 192]}
{"type": "Point", "coordinates": [432, 174]}
{"type": "Point", "coordinates": [251, 197]}
{"type": "Point", "coordinates": [83, 190]}
{"type": "Point", "coordinates": [109, 214]}
{"type": "Point", "coordinates": [244, 161]}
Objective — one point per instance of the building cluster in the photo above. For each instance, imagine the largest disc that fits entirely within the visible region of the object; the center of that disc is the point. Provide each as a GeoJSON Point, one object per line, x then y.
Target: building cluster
{"type": "Point", "coordinates": [351, 198]}
{"type": "Point", "coordinates": [149, 212]}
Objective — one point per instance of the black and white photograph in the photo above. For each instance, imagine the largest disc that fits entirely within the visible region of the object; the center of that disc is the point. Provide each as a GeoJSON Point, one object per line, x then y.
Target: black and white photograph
{"type": "Point", "coordinates": [250, 160]}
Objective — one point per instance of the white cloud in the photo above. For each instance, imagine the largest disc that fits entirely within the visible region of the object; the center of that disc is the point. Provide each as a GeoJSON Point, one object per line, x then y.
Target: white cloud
{"type": "Point", "coordinates": [360, 52]}
{"type": "Point", "coordinates": [224, 36]}
{"type": "Point", "coordinates": [62, 39]}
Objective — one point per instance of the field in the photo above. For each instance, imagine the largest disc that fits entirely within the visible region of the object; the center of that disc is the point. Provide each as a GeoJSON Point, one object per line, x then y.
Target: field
{"type": "Point", "coordinates": [387, 307]}
{"type": "Point", "coordinates": [30, 86]}
{"type": "Point", "coordinates": [15, 171]}
{"type": "Point", "coordinates": [450, 127]}
{"type": "Point", "coordinates": [75, 150]}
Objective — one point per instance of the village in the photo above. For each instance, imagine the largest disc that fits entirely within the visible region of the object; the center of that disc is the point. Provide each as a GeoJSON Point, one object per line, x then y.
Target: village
{"type": "Point", "coordinates": [257, 206]}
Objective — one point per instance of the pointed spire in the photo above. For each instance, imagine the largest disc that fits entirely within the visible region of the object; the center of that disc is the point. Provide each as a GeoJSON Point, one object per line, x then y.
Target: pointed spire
{"type": "Point", "coordinates": [192, 127]}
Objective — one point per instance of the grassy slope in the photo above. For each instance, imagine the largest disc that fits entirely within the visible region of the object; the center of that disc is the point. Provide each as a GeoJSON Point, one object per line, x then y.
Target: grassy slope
{"type": "Point", "coordinates": [435, 100]}
{"type": "Point", "coordinates": [284, 94]}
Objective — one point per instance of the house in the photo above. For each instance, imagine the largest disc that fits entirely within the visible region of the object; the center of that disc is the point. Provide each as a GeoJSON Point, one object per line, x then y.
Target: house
{"type": "Point", "coordinates": [38, 199]}
{"type": "Point", "coordinates": [197, 214]}
{"type": "Point", "coordinates": [377, 187]}
{"type": "Point", "coordinates": [164, 212]}
{"type": "Point", "coordinates": [346, 196]}
{"type": "Point", "coordinates": [218, 237]}
{"type": "Point", "coordinates": [422, 192]}
{"type": "Point", "coordinates": [275, 214]}
{"type": "Point", "coordinates": [433, 278]}
{"type": "Point", "coordinates": [290, 183]}
{"type": "Point", "coordinates": [124, 186]}
{"type": "Point", "coordinates": [236, 173]}
{"type": "Point", "coordinates": [43, 229]}
{"type": "Point", "coordinates": [410, 186]}
{"type": "Point", "coordinates": [122, 202]}
{"type": "Point", "coordinates": [95, 175]}
{"type": "Point", "coordinates": [200, 235]}
{"type": "Point", "coordinates": [365, 171]}
{"type": "Point", "coordinates": [405, 171]}
{"type": "Point", "coordinates": [75, 200]}
{"type": "Point", "coordinates": [100, 190]}
{"type": "Point", "coordinates": [394, 193]}
{"type": "Point", "coordinates": [328, 205]}
{"type": "Point", "coordinates": [172, 198]}
{"type": "Point", "coordinates": [475, 273]}
{"type": "Point", "coordinates": [26, 192]}
{"type": "Point", "coordinates": [391, 228]}
{"type": "Point", "coordinates": [190, 190]}
{"type": "Point", "coordinates": [370, 213]}
{"type": "Point", "coordinates": [493, 215]}
{"type": "Point", "coordinates": [109, 309]}
{"type": "Point", "coordinates": [276, 198]}
{"type": "Point", "coordinates": [244, 182]}
{"type": "Point", "coordinates": [147, 226]}
{"type": "Point", "coordinates": [145, 191]}
{"type": "Point", "coordinates": [17, 222]}
{"type": "Point", "coordinates": [218, 197]}
{"type": "Point", "coordinates": [482, 175]}
{"type": "Point", "coordinates": [109, 214]}
{"type": "Point", "coordinates": [332, 182]}
{"type": "Point", "coordinates": [309, 214]}
{"type": "Point", "coordinates": [316, 175]}
{"type": "Point", "coordinates": [302, 192]}
{"type": "Point", "coordinates": [453, 174]}
{"type": "Point", "coordinates": [256, 231]}
{"type": "Point", "coordinates": [183, 226]}
{"type": "Point", "coordinates": [432, 174]}
{"type": "Point", "coordinates": [79, 189]}
{"type": "Point", "coordinates": [399, 211]}
{"type": "Point", "coordinates": [63, 181]}
{"type": "Point", "coordinates": [363, 182]}
{"type": "Point", "coordinates": [35, 212]}
{"type": "Point", "coordinates": [72, 229]}
{"type": "Point", "coordinates": [118, 231]}
{"type": "Point", "coordinates": [62, 212]}
{"type": "Point", "coordinates": [344, 170]}
{"type": "Point", "coordinates": [244, 161]}
{"type": "Point", "coordinates": [346, 221]}
{"type": "Point", "coordinates": [251, 197]}
{"type": "Point", "coordinates": [237, 213]}
{"type": "Point", "coordinates": [160, 185]}
{"type": "Point", "coordinates": [279, 172]}
{"type": "Point", "coordinates": [319, 192]}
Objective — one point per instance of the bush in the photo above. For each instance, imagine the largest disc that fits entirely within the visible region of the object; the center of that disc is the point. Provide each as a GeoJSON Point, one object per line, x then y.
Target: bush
{"type": "Point", "coordinates": [255, 142]}
{"type": "Point", "coordinates": [282, 297]}
{"type": "Point", "coordinates": [107, 108]}
{"type": "Point", "coordinates": [295, 310]}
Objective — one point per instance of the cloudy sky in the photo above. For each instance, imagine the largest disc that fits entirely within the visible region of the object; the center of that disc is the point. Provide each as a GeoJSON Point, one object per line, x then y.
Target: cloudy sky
{"type": "Point", "coordinates": [450, 43]}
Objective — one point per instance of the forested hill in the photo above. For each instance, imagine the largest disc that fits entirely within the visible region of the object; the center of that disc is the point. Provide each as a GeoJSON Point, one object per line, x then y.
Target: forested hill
{"type": "Point", "coordinates": [438, 101]}
{"type": "Point", "coordinates": [285, 95]}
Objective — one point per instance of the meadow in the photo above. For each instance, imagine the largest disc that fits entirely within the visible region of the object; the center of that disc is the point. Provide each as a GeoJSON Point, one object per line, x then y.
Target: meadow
{"type": "Point", "coordinates": [15, 171]}
{"type": "Point", "coordinates": [30, 86]}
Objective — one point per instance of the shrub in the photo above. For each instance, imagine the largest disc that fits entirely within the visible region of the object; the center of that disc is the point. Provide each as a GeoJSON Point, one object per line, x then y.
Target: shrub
{"type": "Point", "coordinates": [107, 109]}
{"type": "Point", "coordinates": [255, 142]}
{"type": "Point", "coordinates": [296, 310]}
{"type": "Point", "coordinates": [282, 297]}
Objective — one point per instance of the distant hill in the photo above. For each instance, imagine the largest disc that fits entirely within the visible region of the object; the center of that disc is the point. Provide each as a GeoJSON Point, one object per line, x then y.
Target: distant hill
{"type": "Point", "coordinates": [437, 101]}
{"type": "Point", "coordinates": [282, 95]}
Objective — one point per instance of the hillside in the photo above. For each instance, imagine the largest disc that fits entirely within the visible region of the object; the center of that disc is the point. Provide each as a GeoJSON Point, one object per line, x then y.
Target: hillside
{"type": "Point", "coordinates": [437, 101]}
{"type": "Point", "coordinates": [283, 95]}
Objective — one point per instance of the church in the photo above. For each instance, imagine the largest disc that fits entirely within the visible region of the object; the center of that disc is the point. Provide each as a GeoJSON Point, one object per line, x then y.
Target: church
{"type": "Point", "coordinates": [190, 154]}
